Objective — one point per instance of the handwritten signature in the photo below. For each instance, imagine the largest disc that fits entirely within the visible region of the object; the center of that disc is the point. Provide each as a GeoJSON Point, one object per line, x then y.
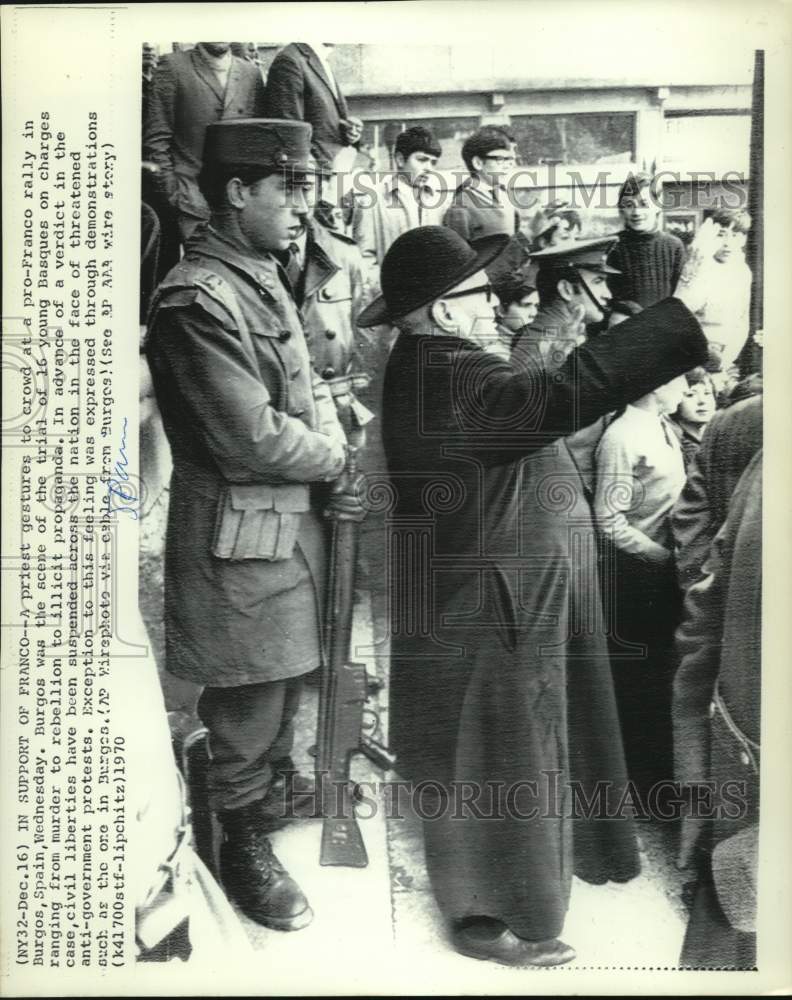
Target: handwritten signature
{"type": "Point", "coordinates": [120, 488]}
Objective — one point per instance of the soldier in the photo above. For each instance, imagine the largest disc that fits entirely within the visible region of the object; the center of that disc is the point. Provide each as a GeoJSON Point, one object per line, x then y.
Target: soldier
{"type": "Point", "coordinates": [250, 427]}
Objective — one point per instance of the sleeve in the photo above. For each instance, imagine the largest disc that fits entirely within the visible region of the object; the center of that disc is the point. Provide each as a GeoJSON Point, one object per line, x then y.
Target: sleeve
{"type": "Point", "coordinates": [363, 228]}
{"type": "Point", "coordinates": [230, 407]}
{"type": "Point", "coordinates": [361, 287]}
{"type": "Point", "coordinates": [698, 642]}
{"type": "Point", "coordinates": [284, 91]}
{"type": "Point", "coordinates": [456, 218]}
{"type": "Point", "coordinates": [158, 127]}
{"type": "Point", "coordinates": [600, 376]}
{"type": "Point", "coordinates": [259, 96]}
{"type": "Point", "coordinates": [692, 518]}
{"type": "Point", "coordinates": [677, 263]}
{"type": "Point", "coordinates": [614, 496]}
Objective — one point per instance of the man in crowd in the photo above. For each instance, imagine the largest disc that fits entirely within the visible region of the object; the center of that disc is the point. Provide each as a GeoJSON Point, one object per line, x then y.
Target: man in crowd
{"type": "Point", "coordinates": [465, 711]}
{"type": "Point", "coordinates": [481, 204]}
{"type": "Point", "coordinates": [190, 90]}
{"type": "Point", "coordinates": [648, 260]}
{"type": "Point", "coordinates": [402, 200]}
{"type": "Point", "coordinates": [251, 427]}
{"type": "Point", "coordinates": [301, 86]}
{"type": "Point", "coordinates": [572, 282]}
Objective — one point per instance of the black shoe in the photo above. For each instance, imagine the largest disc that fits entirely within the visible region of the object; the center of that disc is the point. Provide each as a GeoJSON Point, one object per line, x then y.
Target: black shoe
{"type": "Point", "coordinates": [254, 878]}
{"type": "Point", "coordinates": [492, 941]}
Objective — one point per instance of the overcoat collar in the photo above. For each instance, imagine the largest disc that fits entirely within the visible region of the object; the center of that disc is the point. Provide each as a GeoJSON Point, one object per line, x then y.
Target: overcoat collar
{"type": "Point", "coordinates": [319, 267]}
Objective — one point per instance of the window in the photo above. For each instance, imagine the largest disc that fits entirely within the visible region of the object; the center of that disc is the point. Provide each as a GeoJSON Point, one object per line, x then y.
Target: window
{"type": "Point", "coordinates": [711, 142]}
{"type": "Point", "coordinates": [575, 138]}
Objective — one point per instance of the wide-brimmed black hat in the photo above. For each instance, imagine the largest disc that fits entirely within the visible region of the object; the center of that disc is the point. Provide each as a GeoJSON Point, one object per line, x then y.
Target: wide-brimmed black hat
{"type": "Point", "coordinates": [421, 265]}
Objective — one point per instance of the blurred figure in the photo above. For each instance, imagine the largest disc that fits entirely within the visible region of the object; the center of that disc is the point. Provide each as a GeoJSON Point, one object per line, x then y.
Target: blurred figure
{"type": "Point", "coordinates": [639, 475]}
{"type": "Point", "coordinates": [557, 223]}
{"type": "Point", "coordinates": [402, 200]}
{"type": "Point", "coordinates": [191, 90]}
{"type": "Point", "coordinates": [150, 59]}
{"type": "Point", "coordinates": [301, 86]}
{"type": "Point", "coordinates": [717, 699]}
{"type": "Point", "coordinates": [518, 306]}
{"type": "Point", "coordinates": [649, 261]}
{"type": "Point", "coordinates": [724, 282]}
{"type": "Point", "coordinates": [694, 412]}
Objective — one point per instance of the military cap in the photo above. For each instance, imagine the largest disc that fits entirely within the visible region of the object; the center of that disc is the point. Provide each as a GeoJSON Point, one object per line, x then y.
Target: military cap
{"type": "Point", "coordinates": [589, 254]}
{"type": "Point", "coordinates": [268, 143]}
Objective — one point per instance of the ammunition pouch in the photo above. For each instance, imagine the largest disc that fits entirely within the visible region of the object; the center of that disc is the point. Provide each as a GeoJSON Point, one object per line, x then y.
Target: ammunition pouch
{"type": "Point", "coordinates": [259, 521]}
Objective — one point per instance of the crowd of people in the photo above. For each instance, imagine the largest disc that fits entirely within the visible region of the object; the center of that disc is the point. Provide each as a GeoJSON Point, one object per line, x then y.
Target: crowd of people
{"type": "Point", "coordinates": [562, 414]}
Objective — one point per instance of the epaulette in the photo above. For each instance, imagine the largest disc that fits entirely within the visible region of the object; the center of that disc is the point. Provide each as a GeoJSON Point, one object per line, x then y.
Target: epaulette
{"type": "Point", "coordinates": [190, 285]}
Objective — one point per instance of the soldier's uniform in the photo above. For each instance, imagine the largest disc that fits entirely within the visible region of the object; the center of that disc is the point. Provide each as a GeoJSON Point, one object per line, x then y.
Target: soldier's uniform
{"type": "Point", "coordinates": [251, 427]}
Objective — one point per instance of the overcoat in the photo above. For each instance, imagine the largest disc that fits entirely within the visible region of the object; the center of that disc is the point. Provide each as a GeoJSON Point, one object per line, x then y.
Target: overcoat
{"type": "Point", "coordinates": [333, 290]}
{"type": "Point", "coordinates": [250, 428]}
{"type": "Point", "coordinates": [298, 89]}
{"type": "Point", "coordinates": [186, 96]}
{"type": "Point", "coordinates": [484, 658]}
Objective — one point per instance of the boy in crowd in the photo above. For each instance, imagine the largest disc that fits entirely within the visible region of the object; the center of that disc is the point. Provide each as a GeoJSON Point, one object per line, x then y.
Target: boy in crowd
{"type": "Point", "coordinates": [481, 205]}
{"type": "Point", "coordinates": [404, 199]}
{"type": "Point", "coordinates": [649, 260]}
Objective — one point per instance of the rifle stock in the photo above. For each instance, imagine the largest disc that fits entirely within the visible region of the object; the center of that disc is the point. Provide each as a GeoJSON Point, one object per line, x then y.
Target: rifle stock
{"type": "Point", "coordinates": [344, 686]}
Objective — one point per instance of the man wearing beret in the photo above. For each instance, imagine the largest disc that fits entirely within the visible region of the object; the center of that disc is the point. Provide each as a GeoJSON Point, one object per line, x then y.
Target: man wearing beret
{"type": "Point", "coordinates": [476, 712]}
{"type": "Point", "coordinates": [251, 428]}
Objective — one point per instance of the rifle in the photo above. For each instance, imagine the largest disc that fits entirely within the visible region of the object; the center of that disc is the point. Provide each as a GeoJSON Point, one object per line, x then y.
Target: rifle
{"type": "Point", "coordinates": [344, 685]}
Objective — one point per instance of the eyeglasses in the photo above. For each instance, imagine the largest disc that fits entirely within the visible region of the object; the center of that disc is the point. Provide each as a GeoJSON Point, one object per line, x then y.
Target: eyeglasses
{"type": "Point", "coordinates": [501, 159]}
{"type": "Point", "coordinates": [478, 290]}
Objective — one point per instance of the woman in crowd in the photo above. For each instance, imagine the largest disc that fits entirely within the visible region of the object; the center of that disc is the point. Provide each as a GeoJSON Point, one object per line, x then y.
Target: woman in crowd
{"type": "Point", "coordinates": [639, 475]}
{"type": "Point", "coordinates": [694, 412]}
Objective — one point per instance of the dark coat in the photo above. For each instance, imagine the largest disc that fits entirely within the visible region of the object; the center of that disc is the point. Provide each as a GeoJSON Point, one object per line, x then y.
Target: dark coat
{"type": "Point", "coordinates": [185, 97]}
{"type": "Point", "coordinates": [298, 90]}
{"type": "Point", "coordinates": [730, 441]}
{"type": "Point", "coordinates": [250, 427]}
{"type": "Point", "coordinates": [717, 705]}
{"type": "Point", "coordinates": [484, 652]}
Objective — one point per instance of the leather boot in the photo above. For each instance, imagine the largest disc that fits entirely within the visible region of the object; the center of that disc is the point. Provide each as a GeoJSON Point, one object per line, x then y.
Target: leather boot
{"type": "Point", "coordinates": [252, 875]}
{"type": "Point", "coordinates": [291, 796]}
